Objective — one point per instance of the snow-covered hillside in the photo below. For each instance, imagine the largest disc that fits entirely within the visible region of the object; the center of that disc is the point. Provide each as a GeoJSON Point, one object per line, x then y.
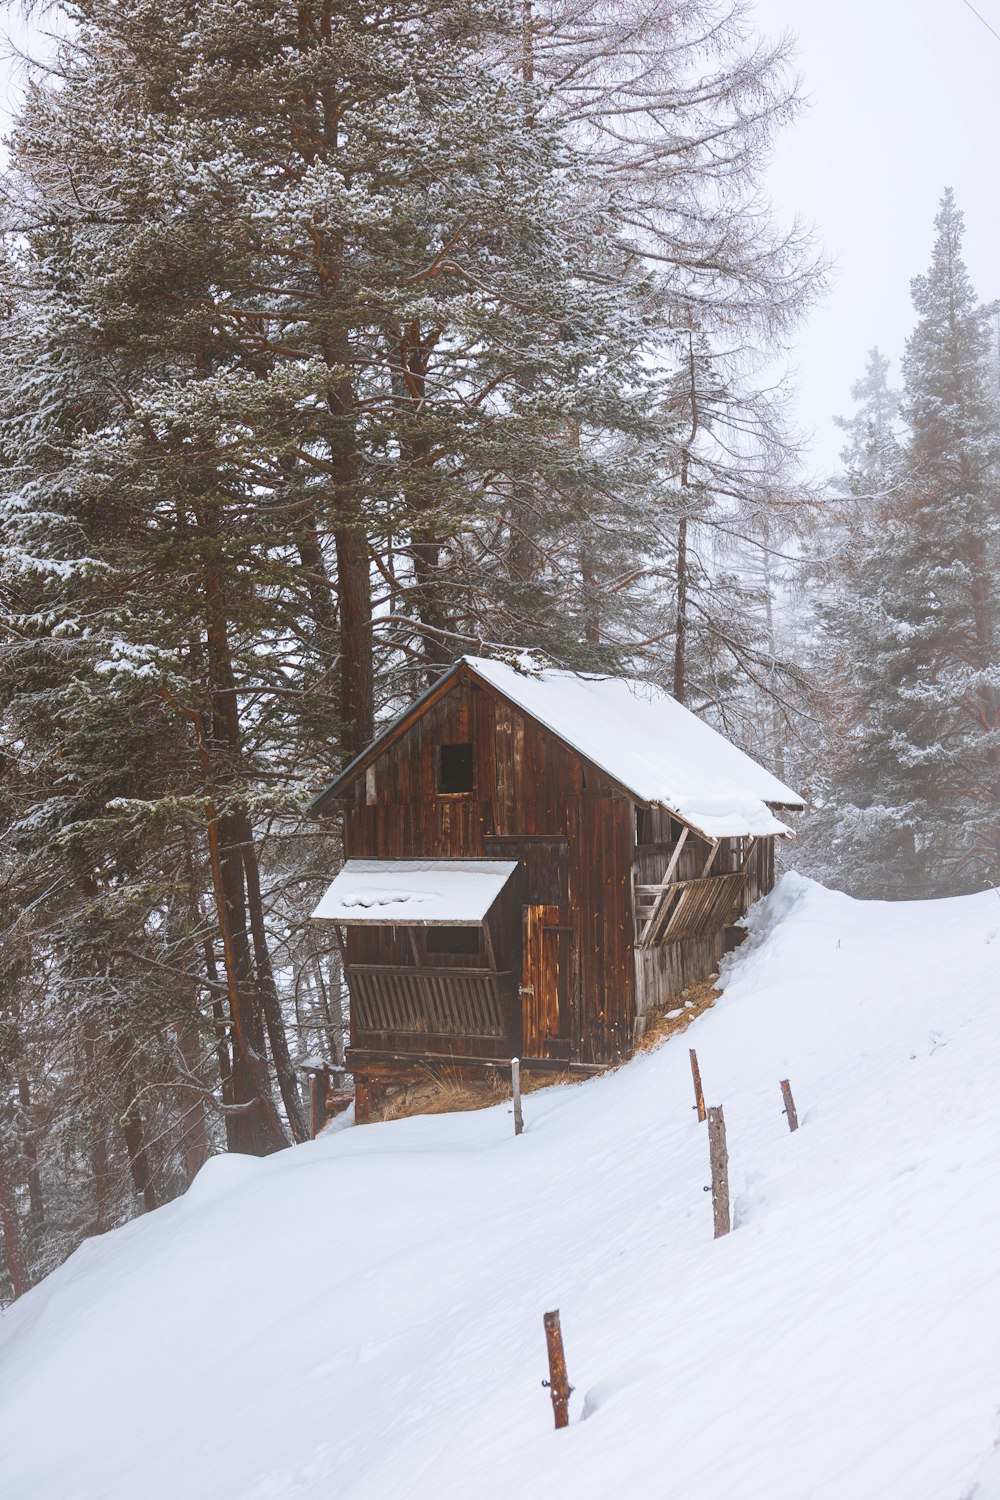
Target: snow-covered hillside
{"type": "Point", "coordinates": [362, 1317]}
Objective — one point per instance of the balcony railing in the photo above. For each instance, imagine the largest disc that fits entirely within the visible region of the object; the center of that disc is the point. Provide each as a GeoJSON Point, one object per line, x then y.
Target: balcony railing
{"type": "Point", "coordinates": [431, 1002]}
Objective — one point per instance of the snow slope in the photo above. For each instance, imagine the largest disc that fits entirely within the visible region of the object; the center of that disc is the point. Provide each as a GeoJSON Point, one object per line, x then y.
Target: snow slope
{"type": "Point", "coordinates": [362, 1317]}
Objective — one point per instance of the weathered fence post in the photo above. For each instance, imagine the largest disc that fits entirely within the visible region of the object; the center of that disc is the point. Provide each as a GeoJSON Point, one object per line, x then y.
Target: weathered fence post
{"type": "Point", "coordinates": [719, 1158]}
{"type": "Point", "coordinates": [558, 1382]}
{"type": "Point", "coordinates": [699, 1097]}
{"type": "Point", "coordinates": [786, 1094]}
{"type": "Point", "coordinates": [515, 1078]}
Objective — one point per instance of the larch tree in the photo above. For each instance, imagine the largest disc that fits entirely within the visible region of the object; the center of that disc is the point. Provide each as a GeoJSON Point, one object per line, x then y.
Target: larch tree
{"type": "Point", "coordinates": [675, 108]}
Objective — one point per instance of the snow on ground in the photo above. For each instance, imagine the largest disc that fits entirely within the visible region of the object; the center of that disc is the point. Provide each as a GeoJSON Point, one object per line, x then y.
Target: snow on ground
{"type": "Point", "coordinates": [362, 1317]}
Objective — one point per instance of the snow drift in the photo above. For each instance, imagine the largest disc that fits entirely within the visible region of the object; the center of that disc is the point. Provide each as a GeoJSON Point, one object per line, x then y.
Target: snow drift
{"type": "Point", "coordinates": [362, 1317]}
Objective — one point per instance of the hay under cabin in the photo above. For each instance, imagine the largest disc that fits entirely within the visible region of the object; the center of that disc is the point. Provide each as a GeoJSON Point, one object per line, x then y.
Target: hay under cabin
{"type": "Point", "coordinates": [535, 860]}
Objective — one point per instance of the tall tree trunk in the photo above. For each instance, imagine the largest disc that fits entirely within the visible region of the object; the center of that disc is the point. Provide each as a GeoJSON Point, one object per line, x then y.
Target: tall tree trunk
{"type": "Point", "coordinates": [223, 1056]}
{"type": "Point", "coordinates": [193, 1125]}
{"type": "Point", "coordinates": [256, 1129]}
{"type": "Point", "coordinates": [29, 1146]}
{"type": "Point", "coordinates": [680, 637]}
{"type": "Point", "coordinates": [132, 1127]}
{"type": "Point", "coordinates": [357, 673]}
{"type": "Point", "coordinates": [13, 1240]}
{"type": "Point", "coordinates": [777, 721]}
{"type": "Point", "coordinates": [425, 550]}
{"type": "Point", "coordinates": [322, 596]}
{"type": "Point", "coordinates": [591, 595]}
{"type": "Point", "coordinates": [268, 991]}
{"type": "Point", "coordinates": [97, 1130]}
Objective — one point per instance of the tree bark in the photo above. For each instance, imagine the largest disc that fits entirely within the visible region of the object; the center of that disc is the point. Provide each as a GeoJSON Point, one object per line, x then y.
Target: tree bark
{"type": "Point", "coordinates": [425, 550]}
{"type": "Point", "coordinates": [193, 1125]}
{"type": "Point", "coordinates": [132, 1128]}
{"type": "Point", "coordinates": [268, 990]}
{"type": "Point", "coordinates": [258, 1130]}
{"type": "Point", "coordinates": [13, 1240]}
{"type": "Point", "coordinates": [29, 1146]}
{"type": "Point", "coordinates": [680, 638]}
{"type": "Point", "coordinates": [357, 674]}
{"type": "Point", "coordinates": [97, 1131]}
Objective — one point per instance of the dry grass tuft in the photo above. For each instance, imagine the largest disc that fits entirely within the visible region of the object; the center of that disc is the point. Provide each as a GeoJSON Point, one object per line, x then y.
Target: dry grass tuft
{"type": "Point", "coordinates": [661, 1025]}
{"type": "Point", "coordinates": [444, 1092]}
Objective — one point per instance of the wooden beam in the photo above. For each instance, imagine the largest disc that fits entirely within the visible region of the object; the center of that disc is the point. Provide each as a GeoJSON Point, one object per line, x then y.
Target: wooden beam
{"type": "Point", "coordinates": [372, 1056]}
{"type": "Point", "coordinates": [751, 851]}
{"type": "Point", "coordinates": [646, 934]}
{"type": "Point", "coordinates": [713, 851]}
{"type": "Point", "coordinates": [491, 957]}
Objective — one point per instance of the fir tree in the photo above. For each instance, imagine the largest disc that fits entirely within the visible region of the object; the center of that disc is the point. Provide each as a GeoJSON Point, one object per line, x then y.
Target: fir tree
{"type": "Point", "coordinates": [915, 794]}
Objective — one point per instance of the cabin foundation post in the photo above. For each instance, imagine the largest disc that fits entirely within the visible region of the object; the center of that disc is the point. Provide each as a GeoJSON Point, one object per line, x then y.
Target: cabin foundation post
{"type": "Point", "coordinates": [558, 1382]}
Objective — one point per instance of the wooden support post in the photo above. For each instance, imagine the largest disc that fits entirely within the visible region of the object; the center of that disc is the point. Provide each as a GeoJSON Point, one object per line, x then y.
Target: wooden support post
{"type": "Point", "coordinates": [786, 1094]}
{"type": "Point", "coordinates": [491, 957]}
{"type": "Point", "coordinates": [719, 1157]}
{"type": "Point", "coordinates": [558, 1382]}
{"type": "Point", "coordinates": [515, 1078]}
{"type": "Point", "coordinates": [699, 1097]}
{"type": "Point", "coordinates": [653, 920]}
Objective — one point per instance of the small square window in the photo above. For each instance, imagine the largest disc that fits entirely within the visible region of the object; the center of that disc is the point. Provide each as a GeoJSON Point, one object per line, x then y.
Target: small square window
{"type": "Point", "coordinates": [453, 940]}
{"type": "Point", "coordinates": [454, 769]}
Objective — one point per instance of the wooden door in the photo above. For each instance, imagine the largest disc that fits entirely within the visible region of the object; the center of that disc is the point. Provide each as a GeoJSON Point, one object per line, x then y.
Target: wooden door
{"type": "Point", "coordinates": [545, 984]}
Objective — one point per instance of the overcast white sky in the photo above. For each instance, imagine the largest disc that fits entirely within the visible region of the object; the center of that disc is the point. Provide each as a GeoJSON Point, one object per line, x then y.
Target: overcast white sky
{"type": "Point", "coordinates": [904, 100]}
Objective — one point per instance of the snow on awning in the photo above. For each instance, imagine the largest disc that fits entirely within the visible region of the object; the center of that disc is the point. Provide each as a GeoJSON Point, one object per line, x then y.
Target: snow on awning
{"type": "Point", "coordinates": [415, 892]}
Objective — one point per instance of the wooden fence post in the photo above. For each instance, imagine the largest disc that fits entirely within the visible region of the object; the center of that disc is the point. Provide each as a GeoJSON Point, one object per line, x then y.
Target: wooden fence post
{"type": "Point", "coordinates": [786, 1094]}
{"type": "Point", "coordinates": [319, 1079]}
{"type": "Point", "coordinates": [515, 1078]}
{"type": "Point", "coordinates": [699, 1097]}
{"type": "Point", "coordinates": [558, 1382]}
{"type": "Point", "coordinates": [719, 1157]}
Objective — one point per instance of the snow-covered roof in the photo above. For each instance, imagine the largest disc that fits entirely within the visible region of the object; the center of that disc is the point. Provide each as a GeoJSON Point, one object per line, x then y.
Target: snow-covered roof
{"type": "Point", "coordinates": [415, 892]}
{"type": "Point", "coordinates": [650, 744]}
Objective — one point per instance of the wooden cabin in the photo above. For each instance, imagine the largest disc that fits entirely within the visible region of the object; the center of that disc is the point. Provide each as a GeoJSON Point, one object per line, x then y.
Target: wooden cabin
{"type": "Point", "coordinates": [534, 860]}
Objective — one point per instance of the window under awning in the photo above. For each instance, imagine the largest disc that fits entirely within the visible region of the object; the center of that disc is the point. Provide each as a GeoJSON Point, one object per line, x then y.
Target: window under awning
{"type": "Point", "coordinates": [414, 892]}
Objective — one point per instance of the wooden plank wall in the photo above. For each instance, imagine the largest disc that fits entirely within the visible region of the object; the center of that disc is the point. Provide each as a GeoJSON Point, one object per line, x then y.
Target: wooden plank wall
{"type": "Point", "coordinates": [527, 785]}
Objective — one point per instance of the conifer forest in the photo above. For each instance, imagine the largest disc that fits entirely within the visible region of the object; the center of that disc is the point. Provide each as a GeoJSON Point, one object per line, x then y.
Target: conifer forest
{"type": "Point", "coordinates": [338, 341]}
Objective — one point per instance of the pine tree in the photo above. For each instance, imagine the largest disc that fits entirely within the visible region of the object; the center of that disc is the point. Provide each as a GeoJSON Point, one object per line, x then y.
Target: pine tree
{"type": "Point", "coordinates": [915, 794]}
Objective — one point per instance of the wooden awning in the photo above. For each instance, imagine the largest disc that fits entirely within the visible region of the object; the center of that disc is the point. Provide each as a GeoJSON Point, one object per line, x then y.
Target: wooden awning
{"type": "Point", "coordinates": [415, 892]}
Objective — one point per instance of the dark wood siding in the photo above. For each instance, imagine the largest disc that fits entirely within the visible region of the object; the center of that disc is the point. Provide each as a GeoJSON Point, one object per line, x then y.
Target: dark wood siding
{"type": "Point", "coordinates": [583, 845]}
{"type": "Point", "coordinates": [529, 802]}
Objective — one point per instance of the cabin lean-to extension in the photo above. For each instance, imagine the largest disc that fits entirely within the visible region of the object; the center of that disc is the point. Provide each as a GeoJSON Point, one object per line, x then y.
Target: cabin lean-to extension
{"type": "Point", "coordinates": [534, 860]}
